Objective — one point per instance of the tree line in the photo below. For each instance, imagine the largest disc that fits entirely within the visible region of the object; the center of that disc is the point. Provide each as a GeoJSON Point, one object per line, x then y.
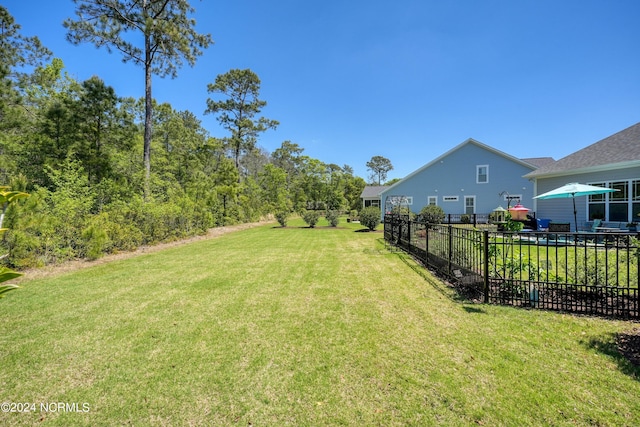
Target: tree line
{"type": "Point", "coordinates": [100, 181]}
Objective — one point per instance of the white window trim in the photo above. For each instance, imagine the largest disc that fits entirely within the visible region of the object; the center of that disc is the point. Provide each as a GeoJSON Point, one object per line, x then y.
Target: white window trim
{"type": "Point", "coordinates": [478, 174]}
{"type": "Point", "coordinates": [432, 198]}
{"type": "Point", "coordinates": [450, 198]}
{"type": "Point", "coordinates": [607, 197]}
{"type": "Point", "coordinates": [474, 203]}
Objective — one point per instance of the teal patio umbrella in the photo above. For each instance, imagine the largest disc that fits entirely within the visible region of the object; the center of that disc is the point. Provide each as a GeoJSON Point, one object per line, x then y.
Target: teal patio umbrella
{"type": "Point", "coordinates": [573, 190]}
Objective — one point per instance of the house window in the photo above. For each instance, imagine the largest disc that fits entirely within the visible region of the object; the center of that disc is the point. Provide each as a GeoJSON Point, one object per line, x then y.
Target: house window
{"type": "Point", "coordinates": [450, 198]}
{"type": "Point", "coordinates": [620, 206]}
{"type": "Point", "coordinates": [469, 205]}
{"type": "Point", "coordinates": [597, 204]}
{"type": "Point", "coordinates": [619, 201]}
{"type": "Point", "coordinates": [482, 174]}
{"type": "Point", "coordinates": [432, 200]}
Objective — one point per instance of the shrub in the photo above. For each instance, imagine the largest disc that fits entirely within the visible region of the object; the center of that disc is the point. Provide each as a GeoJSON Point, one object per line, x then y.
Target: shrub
{"type": "Point", "coordinates": [370, 217]}
{"type": "Point", "coordinates": [465, 219]}
{"type": "Point", "coordinates": [332, 217]}
{"type": "Point", "coordinates": [96, 240]}
{"type": "Point", "coordinates": [6, 197]}
{"type": "Point", "coordinates": [121, 227]}
{"type": "Point", "coordinates": [512, 225]}
{"type": "Point", "coordinates": [403, 210]}
{"type": "Point", "coordinates": [311, 218]}
{"type": "Point", "coordinates": [432, 214]}
{"type": "Point", "coordinates": [282, 217]}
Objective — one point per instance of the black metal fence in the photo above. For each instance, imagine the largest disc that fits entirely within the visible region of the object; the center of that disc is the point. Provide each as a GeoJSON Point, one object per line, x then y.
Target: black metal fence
{"type": "Point", "coordinates": [466, 219]}
{"type": "Point", "coordinates": [589, 273]}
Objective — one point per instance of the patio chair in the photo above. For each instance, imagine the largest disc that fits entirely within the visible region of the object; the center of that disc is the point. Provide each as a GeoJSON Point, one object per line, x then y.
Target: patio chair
{"type": "Point", "coordinates": [542, 224]}
{"type": "Point", "coordinates": [595, 225]}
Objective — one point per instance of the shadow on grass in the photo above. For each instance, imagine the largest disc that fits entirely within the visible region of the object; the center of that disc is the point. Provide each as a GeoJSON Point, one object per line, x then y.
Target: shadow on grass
{"type": "Point", "coordinates": [469, 309]}
{"type": "Point", "coordinates": [437, 283]}
{"type": "Point", "coordinates": [315, 227]}
{"type": "Point", "coordinates": [624, 348]}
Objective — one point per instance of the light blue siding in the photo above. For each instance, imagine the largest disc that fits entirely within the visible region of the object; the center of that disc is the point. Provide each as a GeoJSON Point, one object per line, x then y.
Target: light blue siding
{"type": "Point", "coordinates": [453, 177]}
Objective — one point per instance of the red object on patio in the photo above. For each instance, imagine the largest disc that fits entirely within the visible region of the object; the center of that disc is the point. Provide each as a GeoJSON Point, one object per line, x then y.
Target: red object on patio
{"type": "Point", "coordinates": [518, 212]}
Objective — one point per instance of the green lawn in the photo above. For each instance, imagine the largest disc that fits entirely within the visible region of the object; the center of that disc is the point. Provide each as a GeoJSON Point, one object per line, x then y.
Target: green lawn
{"type": "Point", "coordinates": [296, 326]}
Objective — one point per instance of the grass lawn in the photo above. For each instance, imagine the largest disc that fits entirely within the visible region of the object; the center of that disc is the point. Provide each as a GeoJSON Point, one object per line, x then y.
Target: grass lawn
{"type": "Point", "coordinates": [302, 327]}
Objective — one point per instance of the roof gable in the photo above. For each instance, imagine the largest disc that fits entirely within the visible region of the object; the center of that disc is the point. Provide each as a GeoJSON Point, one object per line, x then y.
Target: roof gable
{"type": "Point", "coordinates": [618, 150]}
{"type": "Point", "coordinates": [459, 147]}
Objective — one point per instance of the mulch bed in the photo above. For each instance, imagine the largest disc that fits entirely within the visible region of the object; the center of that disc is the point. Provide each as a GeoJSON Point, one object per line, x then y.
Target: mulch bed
{"type": "Point", "coordinates": [629, 346]}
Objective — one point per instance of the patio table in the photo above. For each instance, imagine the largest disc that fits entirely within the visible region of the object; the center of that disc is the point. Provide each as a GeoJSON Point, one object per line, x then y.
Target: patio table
{"type": "Point", "coordinates": [607, 229]}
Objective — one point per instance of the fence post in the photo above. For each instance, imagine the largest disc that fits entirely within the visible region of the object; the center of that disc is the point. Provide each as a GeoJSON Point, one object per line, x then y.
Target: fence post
{"type": "Point", "coordinates": [485, 250]}
{"type": "Point", "coordinates": [426, 244]}
{"type": "Point", "coordinates": [450, 256]}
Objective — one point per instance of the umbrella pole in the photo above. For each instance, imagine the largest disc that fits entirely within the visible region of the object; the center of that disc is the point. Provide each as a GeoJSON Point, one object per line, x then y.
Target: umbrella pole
{"type": "Point", "coordinates": [575, 213]}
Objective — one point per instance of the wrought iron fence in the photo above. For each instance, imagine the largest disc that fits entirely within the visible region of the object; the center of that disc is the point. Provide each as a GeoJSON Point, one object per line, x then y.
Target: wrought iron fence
{"type": "Point", "coordinates": [466, 219]}
{"type": "Point", "coordinates": [590, 273]}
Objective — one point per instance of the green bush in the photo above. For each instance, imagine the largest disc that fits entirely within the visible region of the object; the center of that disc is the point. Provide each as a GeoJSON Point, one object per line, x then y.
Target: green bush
{"type": "Point", "coordinates": [332, 217]}
{"type": "Point", "coordinates": [432, 214]}
{"type": "Point", "coordinates": [370, 217]}
{"type": "Point", "coordinates": [403, 210]}
{"type": "Point", "coordinates": [512, 225]}
{"type": "Point", "coordinates": [311, 218]}
{"type": "Point", "coordinates": [6, 197]}
{"type": "Point", "coordinates": [95, 239]}
{"type": "Point", "coordinates": [121, 228]}
{"type": "Point", "coordinates": [282, 217]}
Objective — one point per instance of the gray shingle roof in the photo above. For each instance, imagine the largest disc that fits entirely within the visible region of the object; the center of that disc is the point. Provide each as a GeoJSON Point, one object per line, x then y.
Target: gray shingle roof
{"type": "Point", "coordinates": [621, 147]}
{"type": "Point", "coordinates": [539, 161]}
{"type": "Point", "coordinates": [372, 191]}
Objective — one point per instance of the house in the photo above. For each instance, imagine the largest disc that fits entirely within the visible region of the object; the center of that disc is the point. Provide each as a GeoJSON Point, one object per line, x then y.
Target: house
{"type": "Point", "coordinates": [471, 178]}
{"type": "Point", "coordinates": [371, 195]}
{"type": "Point", "coordinates": [612, 162]}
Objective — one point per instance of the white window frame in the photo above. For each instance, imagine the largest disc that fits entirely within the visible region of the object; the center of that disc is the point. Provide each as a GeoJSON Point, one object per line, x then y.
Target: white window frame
{"type": "Point", "coordinates": [478, 174]}
{"type": "Point", "coordinates": [608, 199]}
{"type": "Point", "coordinates": [450, 198]}
{"type": "Point", "coordinates": [432, 200]}
{"type": "Point", "coordinates": [465, 204]}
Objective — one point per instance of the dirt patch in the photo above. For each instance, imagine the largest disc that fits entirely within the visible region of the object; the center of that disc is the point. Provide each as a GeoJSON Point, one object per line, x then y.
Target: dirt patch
{"type": "Point", "coordinates": [629, 346]}
{"type": "Point", "coordinates": [69, 266]}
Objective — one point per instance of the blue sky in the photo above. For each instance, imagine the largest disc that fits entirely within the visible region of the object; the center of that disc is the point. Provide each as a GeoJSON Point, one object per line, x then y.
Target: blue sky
{"type": "Point", "coordinates": [407, 80]}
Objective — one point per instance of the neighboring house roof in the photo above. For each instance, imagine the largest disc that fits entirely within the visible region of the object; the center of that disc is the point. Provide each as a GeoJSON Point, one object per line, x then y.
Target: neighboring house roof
{"type": "Point", "coordinates": [539, 161]}
{"type": "Point", "coordinates": [619, 150]}
{"type": "Point", "coordinates": [458, 147]}
{"type": "Point", "coordinates": [372, 191]}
